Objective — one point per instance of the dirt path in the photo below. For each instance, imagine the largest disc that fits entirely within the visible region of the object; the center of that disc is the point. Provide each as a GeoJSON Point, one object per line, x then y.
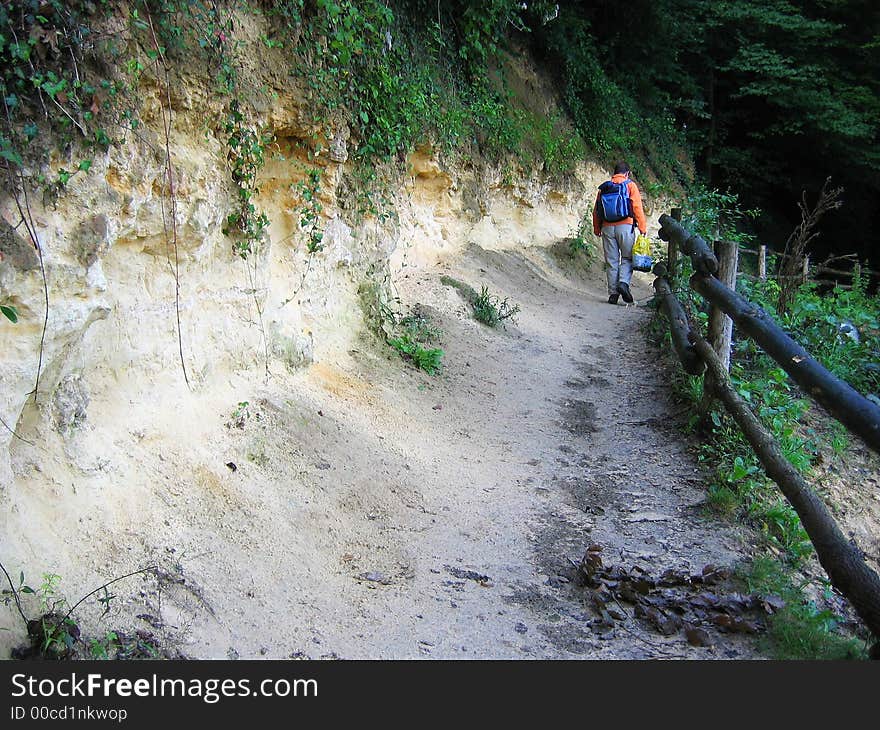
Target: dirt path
{"type": "Point", "coordinates": [359, 508]}
{"type": "Point", "coordinates": [439, 515]}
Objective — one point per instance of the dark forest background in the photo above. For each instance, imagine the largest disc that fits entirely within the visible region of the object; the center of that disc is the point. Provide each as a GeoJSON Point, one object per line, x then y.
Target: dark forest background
{"type": "Point", "coordinates": [771, 97]}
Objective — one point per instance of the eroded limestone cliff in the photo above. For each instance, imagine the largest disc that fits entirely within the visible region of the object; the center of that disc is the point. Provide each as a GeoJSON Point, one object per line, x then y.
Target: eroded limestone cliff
{"type": "Point", "coordinates": [115, 458]}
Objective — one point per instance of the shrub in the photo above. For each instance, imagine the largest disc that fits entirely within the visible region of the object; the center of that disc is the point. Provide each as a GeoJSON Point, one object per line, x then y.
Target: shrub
{"type": "Point", "coordinates": [427, 359]}
{"type": "Point", "coordinates": [491, 310]}
{"type": "Point", "coordinates": [411, 337]}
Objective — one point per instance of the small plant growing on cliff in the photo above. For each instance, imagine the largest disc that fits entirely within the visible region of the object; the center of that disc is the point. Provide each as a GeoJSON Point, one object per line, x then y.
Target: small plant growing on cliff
{"type": "Point", "coordinates": [54, 634]}
{"type": "Point", "coordinates": [310, 210]}
{"type": "Point", "coordinates": [418, 326]}
{"type": "Point", "coordinates": [582, 241]}
{"type": "Point", "coordinates": [427, 359]}
{"type": "Point", "coordinates": [246, 156]}
{"type": "Point", "coordinates": [240, 415]}
{"type": "Point", "coordinates": [491, 310]}
{"type": "Point", "coordinates": [51, 634]}
{"type": "Point", "coordinates": [414, 334]}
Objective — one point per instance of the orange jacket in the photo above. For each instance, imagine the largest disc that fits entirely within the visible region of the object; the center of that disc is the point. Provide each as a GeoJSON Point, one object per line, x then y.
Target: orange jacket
{"type": "Point", "coordinates": [635, 196]}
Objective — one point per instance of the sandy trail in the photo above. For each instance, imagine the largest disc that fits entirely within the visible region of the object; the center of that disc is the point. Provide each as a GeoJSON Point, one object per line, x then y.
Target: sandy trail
{"type": "Point", "coordinates": [464, 496]}
{"type": "Point", "coordinates": [362, 509]}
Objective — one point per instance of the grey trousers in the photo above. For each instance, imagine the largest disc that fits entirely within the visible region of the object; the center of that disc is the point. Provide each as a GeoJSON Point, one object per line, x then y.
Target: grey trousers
{"type": "Point", "coordinates": [617, 242]}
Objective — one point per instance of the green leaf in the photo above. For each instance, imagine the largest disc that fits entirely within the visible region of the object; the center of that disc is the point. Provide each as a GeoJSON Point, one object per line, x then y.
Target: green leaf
{"type": "Point", "coordinates": [85, 165]}
{"type": "Point", "coordinates": [21, 51]}
{"type": "Point", "coordinates": [12, 315]}
{"type": "Point", "coordinates": [53, 88]}
{"type": "Point", "coordinates": [12, 156]}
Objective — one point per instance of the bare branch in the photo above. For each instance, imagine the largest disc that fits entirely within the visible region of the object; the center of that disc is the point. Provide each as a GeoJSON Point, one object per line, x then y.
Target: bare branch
{"type": "Point", "coordinates": [792, 266]}
{"type": "Point", "coordinates": [14, 594]}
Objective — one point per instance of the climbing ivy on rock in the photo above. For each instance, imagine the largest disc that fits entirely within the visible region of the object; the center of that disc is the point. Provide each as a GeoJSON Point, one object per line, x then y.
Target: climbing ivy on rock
{"type": "Point", "coordinates": [246, 155]}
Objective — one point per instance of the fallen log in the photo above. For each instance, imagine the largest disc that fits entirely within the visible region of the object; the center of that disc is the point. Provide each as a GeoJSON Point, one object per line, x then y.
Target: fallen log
{"type": "Point", "coordinates": [842, 561]}
{"type": "Point", "coordinates": [678, 327]}
{"type": "Point", "coordinates": [840, 399]}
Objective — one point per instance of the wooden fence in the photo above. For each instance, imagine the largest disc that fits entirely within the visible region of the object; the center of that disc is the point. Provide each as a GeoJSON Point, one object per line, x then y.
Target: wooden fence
{"type": "Point", "coordinates": [714, 278]}
{"type": "Point", "coordinates": [828, 271]}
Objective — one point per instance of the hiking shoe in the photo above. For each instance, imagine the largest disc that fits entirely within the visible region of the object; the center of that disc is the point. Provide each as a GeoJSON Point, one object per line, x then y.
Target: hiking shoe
{"type": "Point", "coordinates": [613, 298]}
{"type": "Point", "coordinates": [623, 289]}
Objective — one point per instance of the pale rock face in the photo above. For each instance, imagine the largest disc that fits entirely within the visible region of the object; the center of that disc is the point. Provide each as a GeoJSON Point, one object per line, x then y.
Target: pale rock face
{"type": "Point", "coordinates": [95, 278]}
{"type": "Point", "coordinates": [339, 244]}
{"type": "Point", "coordinates": [70, 404]}
{"type": "Point", "coordinates": [533, 193]}
{"type": "Point", "coordinates": [339, 146]}
{"type": "Point", "coordinates": [206, 216]}
{"type": "Point", "coordinates": [17, 253]}
{"type": "Point", "coordinates": [128, 310]}
{"type": "Point", "coordinates": [118, 286]}
{"type": "Point", "coordinates": [294, 349]}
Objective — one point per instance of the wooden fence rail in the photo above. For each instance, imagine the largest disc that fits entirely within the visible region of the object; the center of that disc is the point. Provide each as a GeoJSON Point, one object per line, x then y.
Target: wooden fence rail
{"type": "Point", "coordinates": [843, 562]}
{"type": "Point", "coordinates": [824, 267]}
{"type": "Point", "coordinates": [679, 328]}
{"type": "Point", "coordinates": [842, 401]}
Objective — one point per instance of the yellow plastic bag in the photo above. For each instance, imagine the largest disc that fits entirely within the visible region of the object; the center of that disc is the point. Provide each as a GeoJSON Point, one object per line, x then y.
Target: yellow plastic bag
{"type": "Point", "coordinates": [642, 260]}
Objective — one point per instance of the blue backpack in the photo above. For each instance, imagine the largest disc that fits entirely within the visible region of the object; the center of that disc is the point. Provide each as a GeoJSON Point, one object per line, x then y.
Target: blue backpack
{"type": "Point", "coordinates": [614, 201]}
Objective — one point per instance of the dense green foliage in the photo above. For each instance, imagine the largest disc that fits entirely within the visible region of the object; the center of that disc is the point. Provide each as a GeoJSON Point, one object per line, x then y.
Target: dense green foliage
{"type": "Point", "coordinates": [603, 90]}
{"type": "Point", "coordinates": [46, 87]}
{"type": "Point", "coordinates": [772, 96]}
{"type": "Point", "coordinates": [840, 328]}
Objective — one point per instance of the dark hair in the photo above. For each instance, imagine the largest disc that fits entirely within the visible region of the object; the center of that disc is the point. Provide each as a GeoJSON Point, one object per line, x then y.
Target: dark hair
{"type": "Point", "coordinates": [621, 168]}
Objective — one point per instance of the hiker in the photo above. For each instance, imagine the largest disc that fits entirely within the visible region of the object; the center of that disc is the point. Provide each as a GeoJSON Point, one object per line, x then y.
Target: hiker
{"type": "Point", "coordinates": [616, 215]}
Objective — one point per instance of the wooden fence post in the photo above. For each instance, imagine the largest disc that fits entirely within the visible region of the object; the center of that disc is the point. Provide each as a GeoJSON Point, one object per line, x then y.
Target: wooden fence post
{"type": "Point", "coordinates": [720, 325]}
{"type": "Point", "coordinates": [673, 246]}
{"type": "Point", "coordinates": [762, 262]}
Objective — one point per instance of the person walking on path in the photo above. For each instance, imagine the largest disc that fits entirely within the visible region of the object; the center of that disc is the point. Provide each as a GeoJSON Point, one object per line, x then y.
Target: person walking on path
{"type": "Point", "coordinates": [616, 215]}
